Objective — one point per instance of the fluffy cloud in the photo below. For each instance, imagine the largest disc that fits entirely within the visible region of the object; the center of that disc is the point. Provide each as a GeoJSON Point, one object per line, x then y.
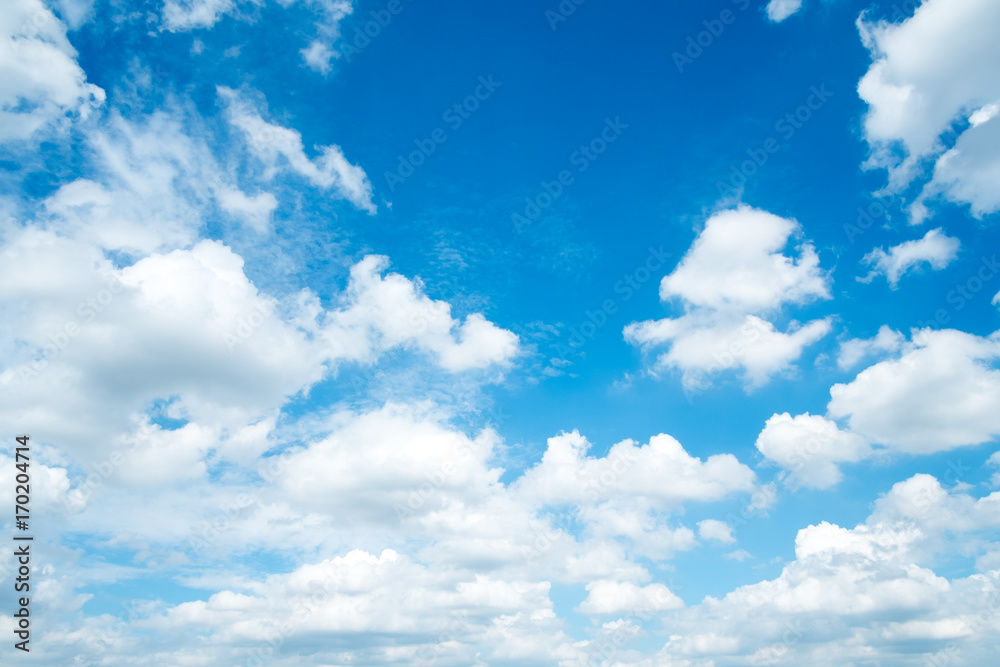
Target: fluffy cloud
{"type": "Point", "coordinates": [935, 248]}
{"type": "Point", "coordinates": [567, 475]}
{"type": "Point", "coordinates": [393, 463]}
{"type": "Point", "coordinates": [189, 327]}
{"type": "Point", "coordinates": [713, 529]}
{"type": "Point", "coordinates": [809, 448]}
{"type": "Point", "coordinates": [405, 610]}
{"type": "Point", "coordinates": [854, 350]}
{"type": "Point", "coordinates": [379, 312]}
{"type": "Point", "coordinates": [615, 597]}
{"type": "Point", "coordinates": [922, 82]}
{"type": "Point", "coordinates": [851, 594]}
{"type": "Point", "coordinates": [838, 602]}
{"type": "Point", "coordinates": [734, 273]}
{"type": "Point", "coordinates": [40, 80]}
{"type": "Point", "coordinates": [941, 393]}
{"type": "Point", "coordinates": [269, 142]}
{"type": "Point", "coordinates": [779, 10]}
{"type": "Point", "coordinates": [180, 15]}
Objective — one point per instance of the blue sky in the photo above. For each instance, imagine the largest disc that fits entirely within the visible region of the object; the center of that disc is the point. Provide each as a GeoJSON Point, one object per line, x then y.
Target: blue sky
{"type": "Point", "coordinates": [567, 334]}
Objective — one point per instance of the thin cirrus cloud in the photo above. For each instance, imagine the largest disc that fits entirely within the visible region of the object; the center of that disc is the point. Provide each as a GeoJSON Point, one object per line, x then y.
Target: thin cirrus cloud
{"type": "Point", "coordinates": [276, 147]}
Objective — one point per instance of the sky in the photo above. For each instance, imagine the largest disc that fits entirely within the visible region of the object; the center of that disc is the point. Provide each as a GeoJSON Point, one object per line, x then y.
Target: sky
{"type": "Point", "coordinates": [570, 333]}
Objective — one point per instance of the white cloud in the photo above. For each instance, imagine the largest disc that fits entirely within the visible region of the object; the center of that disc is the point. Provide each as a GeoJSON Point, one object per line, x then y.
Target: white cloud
{"type": "Point", "coordinates": [779, 10]}
{"type": "Point", "coordinates": [255, 209]}
{"type": "Point", "coordinates": [187, 15]}
{"type": "Point", "coordinates": [713, 529]}
{"type": "Point", "coordinates": [968, 171]}
{"type": "Point", "coordinates": [941, 393]}
{"type": "Point", "coordinates": [935, 248]}
{"type": "Point", "coordinates": [394, 462]}
{"type": "Point", "coordinates": [929, 72]}
{"type": "Point", "coordinates": [736, 263]}
{"type": "Point", "coordinates": [182, 15]}
{"type": "Point", "coordinates": [406, 611]}
{"type": "Point", "coordinates": [567, 475]}
{"type": "Point", "coordinates": [809, 448]}
{"type": "Point", "coordinates": [854, 350]}
{"type": "Point", "coordinates": [318, 56]}
{"type": "Point", "coordinates": [269, 142]}
{"type": "Point", "coordinates": [379, 312]}
{"type": "Point", "coordinates": [616, 597]}
{"type": "Point", "coordinates": [150, 189]}
{"type": "Point", "coordinates": [190, 325]}
{"type": "Point", "coordinates": [40, 80]}
{"type": "Point", "coordinates": [841, 600]}
{"type": "Point", "coordinates": [733, 274]}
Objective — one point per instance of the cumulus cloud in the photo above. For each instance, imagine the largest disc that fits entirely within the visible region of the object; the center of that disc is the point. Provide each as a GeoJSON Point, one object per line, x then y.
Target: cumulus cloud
{"type": "Point", "coordinates": [809, 448]}
{"type": "Point", "coordinates": [922, 82]}
{"type": "Point", "coordinates": [567, 475]}
{"type": "Point", "coordinates": [270, 141]}
{"type": "Point", "coordinates": [733, 275]}
{"type": "Point", "coordinates": [713, 529]}
{"type": "Point", "coordinates": [936, 249]}
{"type": "Point", "coordinates": [406, 610]}
{"type": "Point", "coordinates": [841, 599]}
{"type": "Point", "coordinates": [850, 594]}
{"type": "Point", "coordinates": [189, 326]}
{"type": "Point", "coordinates": [181, 15]}
{"type": "Point", "coordinates": [852, 351]}
{"type": "Point", "coordinates": [940, 393]}
{"type": "Point", "coordinates": [392, 463]}
{"type": "Point", "coordinates": [779, 10]}
{"type": "Point", "coordinates": [42, 83]}
{"type": "Point", "coordinates": [615, 597]}
{"type": "Point", "coordinates": [379, 312]}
